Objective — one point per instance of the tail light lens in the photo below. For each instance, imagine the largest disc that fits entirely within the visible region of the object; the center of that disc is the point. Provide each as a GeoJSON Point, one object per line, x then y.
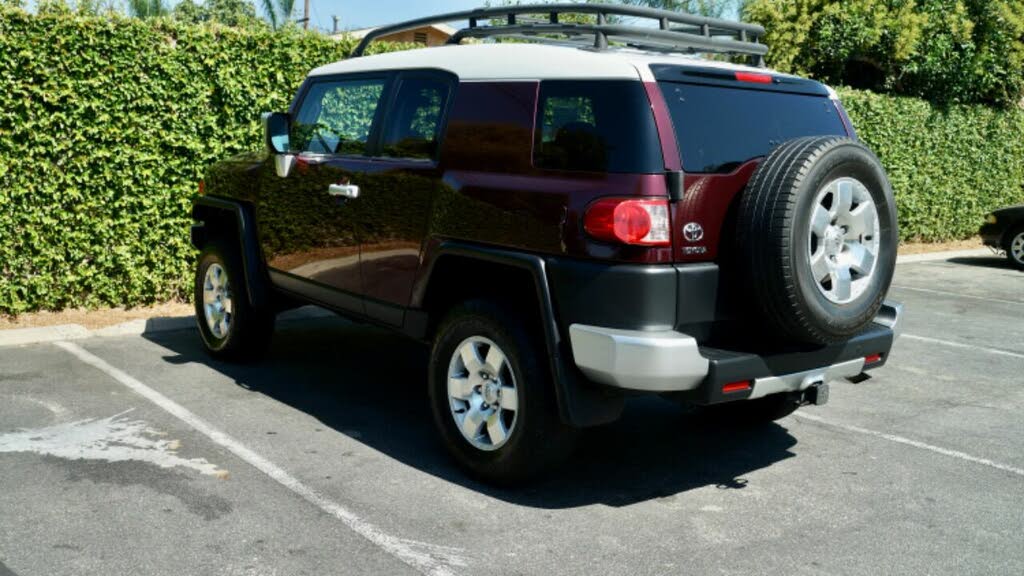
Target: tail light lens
{"type": "Point", "coordinates": [629, 221]}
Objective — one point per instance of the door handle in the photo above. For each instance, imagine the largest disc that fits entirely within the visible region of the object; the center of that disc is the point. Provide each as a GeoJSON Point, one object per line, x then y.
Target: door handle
{"type": "Point", "coordinates": [350, 191]}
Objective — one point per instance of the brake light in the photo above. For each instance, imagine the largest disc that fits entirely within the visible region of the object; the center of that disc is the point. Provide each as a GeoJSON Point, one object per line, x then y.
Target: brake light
{"type": "Point", "coordinates": [873, 359]}
{"type": "Point", "coordinates": [628, 221]}
{"type": "Point", "coordinates": [736, 387]}
{"type": "Point", "coordinates": [754, 77]}
{"type": "Point", "coordinates": [202, 187]}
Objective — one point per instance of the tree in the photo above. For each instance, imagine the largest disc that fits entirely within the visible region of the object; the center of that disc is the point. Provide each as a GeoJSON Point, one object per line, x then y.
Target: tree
{"type": "Point", "coordinates": [235, 13]}
{"type": "Point", "coordinates": [947, 51]}
{"type": "Point", "coordinates": [713, 8]}
{"type": "Point", "coordinates": [279, 12]}
{"type": "Point", "coordinates": [147, 8]}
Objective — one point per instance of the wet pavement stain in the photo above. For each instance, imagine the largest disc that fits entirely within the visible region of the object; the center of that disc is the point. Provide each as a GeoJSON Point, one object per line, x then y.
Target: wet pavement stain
{"type": "Point", "coordinates": [132, 473]}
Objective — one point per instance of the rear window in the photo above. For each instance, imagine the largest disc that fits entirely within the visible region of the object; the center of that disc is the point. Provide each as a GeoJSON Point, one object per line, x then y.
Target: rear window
{"type": "Point", "coordinates": [721, 128]}
{"type": "Point", "coordinates": [596, 126]}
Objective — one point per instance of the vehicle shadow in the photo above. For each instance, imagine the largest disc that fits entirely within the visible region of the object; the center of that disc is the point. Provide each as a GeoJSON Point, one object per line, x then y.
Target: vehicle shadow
{"type": "Point", "coordinates": [993, 261]}
{"type": "Point", "coordinates": [371, 385]}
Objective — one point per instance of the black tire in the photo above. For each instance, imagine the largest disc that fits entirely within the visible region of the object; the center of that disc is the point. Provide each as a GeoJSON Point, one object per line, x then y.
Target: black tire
{"type": "Point", "coordinates": [1017, 234]}
{"type": "Point", "coordinates": [538, 438]}
{"type": "Point", "coordinates": [250, 329]}
{"type": "Point", "coordinates": [774, 240]}
{"type": "Point", "coordinates": [752, 412]}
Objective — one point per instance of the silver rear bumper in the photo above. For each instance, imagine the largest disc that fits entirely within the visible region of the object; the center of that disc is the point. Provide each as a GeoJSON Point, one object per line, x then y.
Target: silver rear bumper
{"type": "Point", "coordinates": [670, 361]}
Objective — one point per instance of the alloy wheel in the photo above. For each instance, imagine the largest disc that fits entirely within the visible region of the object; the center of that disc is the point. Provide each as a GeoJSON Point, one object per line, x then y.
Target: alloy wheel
{"type": "Point", "coordinates": [482, 393]}
{"type": "Point", "coordinates": [218, 307]}
{"type": "Point", "coordinates": [844, 240]}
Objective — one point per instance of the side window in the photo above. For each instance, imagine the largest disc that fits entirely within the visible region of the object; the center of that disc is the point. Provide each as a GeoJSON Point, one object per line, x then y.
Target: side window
{"type": "Point", "coordinates": [596, 126]}
{"type": "Point", "coordinates": [414, 124]}
{"type": "Point", "coordinates": [337, 117]}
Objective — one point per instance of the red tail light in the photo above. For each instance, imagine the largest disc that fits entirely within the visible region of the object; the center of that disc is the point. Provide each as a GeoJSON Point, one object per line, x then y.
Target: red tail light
{"type": "Point", "coordinates": [736, 387]}
{"type": "Point", "coordinates": [635, 222]}
{"type": "Point", "coordinates": [873, 359]}
{"type": "Point", "coordinates": [754, 77]}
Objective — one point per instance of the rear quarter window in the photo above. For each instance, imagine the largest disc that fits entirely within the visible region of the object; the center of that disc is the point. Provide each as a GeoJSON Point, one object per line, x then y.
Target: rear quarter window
{"type": "Point", "coordinates": [719, 128]}
{"type": "Point", "coordinates": [596, 126]}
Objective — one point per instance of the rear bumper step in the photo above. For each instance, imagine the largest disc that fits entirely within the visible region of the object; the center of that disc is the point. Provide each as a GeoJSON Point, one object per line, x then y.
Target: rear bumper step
{"type": "Point", "coordinates": [670, 361]}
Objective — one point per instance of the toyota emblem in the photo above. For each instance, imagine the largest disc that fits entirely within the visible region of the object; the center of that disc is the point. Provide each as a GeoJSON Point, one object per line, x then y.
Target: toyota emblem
{"type": "Point", "coordinates": [693, 232]}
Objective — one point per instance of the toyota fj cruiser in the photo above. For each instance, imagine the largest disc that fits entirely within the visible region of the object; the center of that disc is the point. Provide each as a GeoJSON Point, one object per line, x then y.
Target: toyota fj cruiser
{"type": "Point", "coordinates": [589, 211]}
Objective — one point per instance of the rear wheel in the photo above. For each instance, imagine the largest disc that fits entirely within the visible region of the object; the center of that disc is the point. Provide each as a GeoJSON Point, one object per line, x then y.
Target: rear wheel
{"type": "Point", "coordinates": [231, 328]}
{"type": "Point", "coordinates": [1015, 247]}
{"type": "Point", "coordinates": [492, 395]}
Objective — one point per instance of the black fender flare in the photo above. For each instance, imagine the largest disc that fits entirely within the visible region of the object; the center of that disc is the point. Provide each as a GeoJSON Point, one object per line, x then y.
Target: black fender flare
{"type": "Point", "coordinates": [580, 404]}
{"type": "Point", "coordinates": [257, 280]}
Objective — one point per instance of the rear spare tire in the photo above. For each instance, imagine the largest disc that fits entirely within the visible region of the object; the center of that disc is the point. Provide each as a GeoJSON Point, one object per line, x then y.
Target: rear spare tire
{"type": "Point", "coordinates": [817, 239]}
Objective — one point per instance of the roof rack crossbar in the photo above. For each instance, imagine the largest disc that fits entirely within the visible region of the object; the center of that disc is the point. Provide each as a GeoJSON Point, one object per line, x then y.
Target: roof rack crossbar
{"type": "Point", "coordinates": [713, 34]}
{"type": "Point", "coordinates": [631, 35]}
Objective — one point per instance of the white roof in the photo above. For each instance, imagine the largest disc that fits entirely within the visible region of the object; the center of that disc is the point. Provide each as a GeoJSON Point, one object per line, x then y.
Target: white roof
{"type": "Point", "coordinates": [362, 32]}
{"type": "Point", "coordinates": [474, 62]}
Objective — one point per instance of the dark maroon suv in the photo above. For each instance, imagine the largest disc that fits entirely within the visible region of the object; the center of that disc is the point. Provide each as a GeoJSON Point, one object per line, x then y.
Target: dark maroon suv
{"type": "Point", "coordinates": [587, 212]}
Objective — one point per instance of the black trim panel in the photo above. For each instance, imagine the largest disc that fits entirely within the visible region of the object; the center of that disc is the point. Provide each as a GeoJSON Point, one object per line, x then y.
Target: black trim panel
{"type": "Point", "coordinates": [315, 293]}
{"type": "Point", "coordinates": [256, 279]}
{"type": "Point", "coordinates": [727, 78]}
{"type": "Point", "coordinates": [579, 404]}
{"type": "Point", "coordinates": [633, 297]}
{"type": "Point", "coordinates": [727, 366]}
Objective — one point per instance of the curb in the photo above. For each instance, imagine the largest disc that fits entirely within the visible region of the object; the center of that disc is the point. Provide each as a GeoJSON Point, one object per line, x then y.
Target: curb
{"type": "Point", "coordinates": [937, 256]}
{"type": "Point", "coordinates": [140, 327]}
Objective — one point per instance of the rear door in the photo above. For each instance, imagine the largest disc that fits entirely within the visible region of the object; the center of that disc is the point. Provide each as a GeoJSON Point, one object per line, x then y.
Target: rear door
{"type": "Point", "coordinates": [308, 223]}
{"type": "Point", "coordinates": [725, 123]}
{"type": "Point", "coordinates": [394, 208]}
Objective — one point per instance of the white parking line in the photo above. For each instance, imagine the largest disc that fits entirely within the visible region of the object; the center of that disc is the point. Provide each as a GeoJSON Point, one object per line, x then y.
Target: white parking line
{"type": "Point", "coordinates": [916, 444]}
{"type": "Point", "coordinates": [985, 349]}
{"type": "Point", "coordinates": [426, 558]}
{"type": "Point", "coordinates": [956, 295]}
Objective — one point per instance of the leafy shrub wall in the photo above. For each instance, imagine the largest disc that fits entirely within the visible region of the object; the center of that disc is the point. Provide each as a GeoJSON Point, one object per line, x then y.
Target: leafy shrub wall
{"type": "Point", "coordinates": [948, 166]}
{"type": "Point", "coordinates": [107, 124]}
{"type": "Point", "coordinates": [105, 129]}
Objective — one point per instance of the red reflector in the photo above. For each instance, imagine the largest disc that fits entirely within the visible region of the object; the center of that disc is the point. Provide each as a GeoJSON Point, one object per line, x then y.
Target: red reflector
{"type": "Point", "coordinates": [873, 359]}
{"type": "Point", "coordinates": [753, 77]}
{"type": "Point", "coordinates": [736, 387]}
{"type": "Point", "coordinates": [637, 222]}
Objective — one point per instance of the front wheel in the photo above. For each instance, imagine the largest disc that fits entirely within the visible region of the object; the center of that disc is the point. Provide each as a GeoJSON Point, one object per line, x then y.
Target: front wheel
{"type": "Point", "coordinates": [492, 395]}
{"type": "Point", "coordinates": [231, 328]}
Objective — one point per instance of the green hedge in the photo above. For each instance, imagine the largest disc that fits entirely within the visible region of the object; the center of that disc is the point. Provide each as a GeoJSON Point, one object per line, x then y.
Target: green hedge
{"type": "Point", "coordinates": [948, 166]}
{"type": "Point", "coordinates": [108, 123]}
{"type": "Point", "coordinates": [106, 127]}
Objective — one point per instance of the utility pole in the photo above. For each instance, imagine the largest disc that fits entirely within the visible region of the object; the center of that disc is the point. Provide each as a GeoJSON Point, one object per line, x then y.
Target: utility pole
{"type": "Point", "coordinates": [305, 14]}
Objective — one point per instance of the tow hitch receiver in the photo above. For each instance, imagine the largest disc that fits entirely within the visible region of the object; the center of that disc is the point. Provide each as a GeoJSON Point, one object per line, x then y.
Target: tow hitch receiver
{"type": "Point", "coordinates": [816, 394]}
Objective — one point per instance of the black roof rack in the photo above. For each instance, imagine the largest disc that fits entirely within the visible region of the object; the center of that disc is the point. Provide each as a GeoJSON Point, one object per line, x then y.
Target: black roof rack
{"type": "Point", "coordinates": [675, 31]}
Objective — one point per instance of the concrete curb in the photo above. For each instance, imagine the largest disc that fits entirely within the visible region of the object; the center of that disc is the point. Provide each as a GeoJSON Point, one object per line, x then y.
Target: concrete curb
{"type": "Point", "coordinates": [140, 327]}
{"type": "Point", "coordinates": [937, 256]}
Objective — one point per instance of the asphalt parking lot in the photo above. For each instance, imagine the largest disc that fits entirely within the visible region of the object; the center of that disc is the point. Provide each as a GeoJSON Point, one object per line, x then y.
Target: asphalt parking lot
{"type": "Point", "coordinates": [139, 455]}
